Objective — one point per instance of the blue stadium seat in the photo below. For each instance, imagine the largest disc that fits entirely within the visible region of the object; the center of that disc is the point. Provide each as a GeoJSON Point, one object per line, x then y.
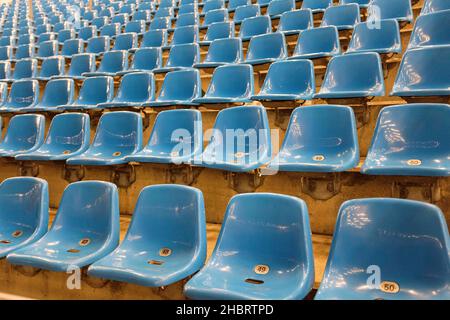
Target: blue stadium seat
{"type": "Point", "coordinates": [145, 59]}
{"type": "Point", "coordinates": [86, 228]}
{"type": "Point", "coordinates": [71, 47]}
{"type": "Point", "coordinates": [112, 63]}
{"type": "Point", "coordinates": [244, 12]}
{"type": "Point", "coordinates": [125, 41]}
{"type": "Point", "coordinates": [219, 15]}
{"type": "Point", "coordinates": [43, 28]}
{"type": "Point", "coordinates": [26, 39]}
{"type": "Point", "coordinates": [184, 35]}
{"type": "Point", "coordinates": [52, 66]}
{"type": "Point", "coordinates": [58, 92]}
{"type": "Point", "coordinates": [23, 213]}
{"type": "Point", "coordinates": [163, 13]}
{"type": "Point", "coordinates": [405, 240]}
{"type": "Point", "coordinates": [277, 7]}
{"type": "Point", "coordinates": [80, 63]}
{"type": "Point", "coordinates": [107, 12]}
{"type": "Point", "coordinates": [361, 3]}
{"type": "Point", "coordinates": [121, 19]}
{"type": "Point", "coordinates": [6, 53]}
{"type": "Point", "coordinates": [431, 30]}
{"type": "Point", "coordinates": [160, 23]}
{"type": "Point", "coordinates": [118, 135]}
{"type": "Point", "coordinates": [111, 30]}
{"type": "Point", "coordinates": [154, 38]}
{"type": "Point", "coordinates": [186, 19]}
{"type": "Point", "coordinates": [264, 3]}
{"type": "Point", "coordinates": [317, 43]}
{"type": "Point", "coordinates": [431, 6]}
{"type": "Point", "coordinates": [255, 26]}
{"type": "Point", "coordinates": [47, 49]}
{"type": "Point", "coordinates": [99, 22]}
{"type": "Point", "coordinates": [250, 144]}
{"type": "Point", "coordinates": [343, 17]}
{"type": "Point", "coordinates": [266, 48]}
{"type": "Point", "coordinates": [188, 8]}
{"type": "Point", "coordinates": [24, 94]}
{"type": "Point", "coordinates": [136, 89]}
{"type": "Point", "coordinates": [66, 34]}
{"type": "Point", "coordinates": [142, 15]}
{"type": "Point", "coordinates": [390, 9]}
{"type": "Point", "coordinates": [179, 88]}
{"type": "Point", "coordinates": [319, 138]}
{"type": "Point", "coordinates": [86, 33]}
{"type": "Point", "coordinates": [234, 4]}
{"type": "Point", "coordinates": [93, 91]}
{"type": "Point", "coordinates": [218, 30]}
{"type": "Point", "coordinates": [7, 41]}
{"type": "Point", "coordinates": [5, 70]}
{"type": "Point", "coordinates": [353, 76]}
{"type": "Point", "coordinates": [265, 263]}
{"type": "Point", "coordinates": [295, 21]}
{"type": "Point", "coordinates": [385, 39]}
{"type": "Point", "coordinates": [25, 133]}
{"type": "Point", "coordinates": [138, 27]}
{"type": "Point", "coordinates": [68, 136]}
{"type": "Point", "coordinates": [221, 52]}
{"type": "Point", "coordinates": [24, 51]}
{"type": "Point", "coordinates": [176, 138]}
{"type": "Point", "coordinates": [317, 6]}
{"type": "Point", "coordinates": [181, 56]}
{"type": "Point", "coordinates": [98, 45]}
{"type": "Point", "coordinates": [424, 72]}
{"type": "Point", "coordinates": [211, 5]}
{"type": "Point", "coordinates": [288, 80]}
{"type": "Point", "coordinates": [420, 144]}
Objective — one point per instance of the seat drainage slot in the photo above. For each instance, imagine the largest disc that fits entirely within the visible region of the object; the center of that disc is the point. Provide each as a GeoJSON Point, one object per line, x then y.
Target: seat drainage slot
{"type": "Point", "coordinates": [5, 241]}
{"type": "Point", "coordinates": [73, 250]}
{"type": "Point", "coordinates": [156, 262]}
{"type": "Point", "coordinates": [254, 281]}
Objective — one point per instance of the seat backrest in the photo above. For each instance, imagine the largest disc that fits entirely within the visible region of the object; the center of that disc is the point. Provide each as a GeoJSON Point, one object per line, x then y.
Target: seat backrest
{"type": "Point", "coordinates": [6, 53]}
{"type": "Point", "coordinates": [317, 4]}
{"type": "Point", "coordinates": [5, 70]}
{"type": "Point", "coordinates": [96, 90]}
{"type": "Point", "coordinates": [25, 51]}
{"type": "Point", "coordinates": [318, 40]}
{"type": "Point", "coordinates": [225, 50]}
{"type": "Point", "coordinates": [219, 30]}
{"type": "Point", "coordinates": [26, 39]}
{"type": "Point", "coordinates": [110, 30]}
{"type": "Point", "coordinates": [241, 86]}
{"type": "Point", "coordinates": [147, 59]}
{"type": "Point", "coordinates": [137, 26]}
{"type": "Point", "coordinates": [342, 16]}
{"type": "Point", "coordinates": [66, 34]}
{"type": "Point", "coordinates": [23, 93]}
{"type": "Point", "coordinates": [58, 92]}
{"type": "Point", "coordinates": [114, 61]}
{"type": "Point", "coordinates": [278, 7]}
{"type": "Point", "coordinates": [271, 45]}
{"type": "Point", "coordinates": [69, 130]}
{"type": "Point", "coordinates": [296, 20]}
{"type": "Point", "coordinates": [136, 87]}
{"type": "Point", "coordinates": [233, 4]}
{"type": "Point", "coordinates": [86, 33]}
{"type": "Point", "coordinates": [46, 37]}
{"type": "Point", "coordinates": [72, 46]}
{"type": "Point", "coordinates": [160, 23]}
{"type": "Point", "coordinates": [181, 85]}
{"type": "Point", "coordinates": [52, 66]}
{"type": "Point", "coordinates": [125, 41]}
{"type": "Point", "coordinates": [247, 11]}
{"type": "Point", "coordinates": [142, 15]}
{"type": "Point", "coordinates": [183, 55]}
{"type": "Point", "coordinates": [182, 35]}
{"type": "Point", "coordinates": [186, 19]}
{"type": "Point", "coordinates": [429, 30]}
{"type": "Point", "coordinates": [25, 131]}
{"type": "Point", "coordinates": [81, 63]}
{"type": "Point", "coordinates": [48, 49]}
{"type": "Point", "coordinates": [99, 22]}
{"type": "Point", "coordinates": [218, 15]}
{"type": "Point", "coordinates": [255, 26]}
{"type": "Point", "coordinates": [154, 38]}
{"type": "Point", "coordinates": [98, 44]}
{"type": "Point", "coordinates": [390, 9]}
{"type": "Point", "coordinates": [213, 5]}
{"type": "Point", "coordinates": [431, 6]}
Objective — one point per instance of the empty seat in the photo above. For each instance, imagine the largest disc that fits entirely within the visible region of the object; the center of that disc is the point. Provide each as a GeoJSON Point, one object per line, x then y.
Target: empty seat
{"type": "Point", "coordinates": [319, 138]}
{"type": "Point", "coordinates": [86, 228]}
{"type": "Point", "coordinates": [424, 72]}
{"type": "Point", "coordinates": [383, 39]}
{"type": "Point", "coordinates": [125, 41]}
{"type": "Point", "coordinates": [255, 26]}
{"type": "Point", "coordinates": [135, 89]}
{"type": "Point", "coordinates": [317, 43]}
{"type": "Point", "coordinates": [352, 76]}
{"type": "Point", "coordinates": [288, 81]}
{"type": "Point", "coordinates": [71, 47]}
{"type": "Point", "coordinates": [23, 213]}
{"type": "Point", "coordinates": [137, 27]}
{"type": "Point", "coordinates": [79, 64]}
{"type": "Point", "coordinates": [145, 59]}
{"type": "Point", "coordinates": [160, 23]}
{"type": "Point", "coordinates": [58, 92]}
{"type": "Point", "coordinates": [99, 22]}
{"type": "Point", "coordinates": [219, 15]}
{"type": "Point", "coordinates": [24, 94]}
{"type": "Point", "coordinates": [184, 35]}
{"type": "Point", "coordinates": [113, 61]}
{"type": "Point", "coordinates": [244, 12]}
{"type": "Point", "coordinates": [154, 38]}
{"type": "Point", "coordinates": [361, 3]}
{"type": "Point", "coordinates": [240, 141]}
{"type": "Point", "coordinates": [401, 10]}
{"type": "Point", "coordinates": [6, 53]}
{"type": "Point", "coordinates": [98, 45]}
{"type": "Point", "coordinates": [430, 30]}
{"type": "Point", "coordinates": [266, 48]}
{"type": "Point", "coordinates": [317, 5]}
{"type": "Point", "coordinates": [25, 51]}
{"type": "Point", "coordinates": [26, 39]}
{"type": "Point", "coordinates": [5, 70]}
{"type": "Point", "coordinates": [277, 7]}
{"type": "Point", "coordinates": [221, 52]}
{"type": "Point", "coordinates": [186, 19]}
{"type": "Point", "coordinates": [93, 91]}
{"type": "Point", "coordinates": [293, 22]}
{"type": "Point", "coordinates": [419, 146]}
{"type": "Point", "coordinates": [253, 258]}
{"type": "Point", "coordinates": [211, 5]}
{"type": "Point", "coordinates": [118, 135]}
{"type": "Point", "coordinates": [181, 56]}
{"type": "Point", "coordinates": [234, 4]}
{"type": "Point", "coordinates": [65, 35]}
{"type": "Point", "coordinates": [121, 19]}
{"type": "Point", "coordinates": [218, 30]}
{"type": "Point", "coordinates": [176, 138]}
{"type": "Point", "coordinates": [142, 15]}
{"type": "Point", "coordinates": [43, 28]}
{"type": "Point", "coordinates": [391, 235]}
{"type": "Point", "coordinates": [86, 33]}
{"type": "Point", "coordinates": [188, 8]}
{"type": "Point", "coordinates": [167, 12]}
{"type": "Point", "coordinates": [68, 136]}
{"type": "Point", "coordinates": [25, 133]}
{"type": "Point", "coordinates": [47, 49]}
{"type": "Point", "coordinates": [111, 30]}
{"type": "Point", "coordinates": [431, 6]}
{"type": "Point", "coordinates": [7, 41]}
{"type": "Point", "coordinates": [46, 37]}
{"type": "Point", "coordinates": [179, 88]}
{"type": "Point", "coordinates": [343, 17]}
{"type": "Point", "coordinates": [52, 66]}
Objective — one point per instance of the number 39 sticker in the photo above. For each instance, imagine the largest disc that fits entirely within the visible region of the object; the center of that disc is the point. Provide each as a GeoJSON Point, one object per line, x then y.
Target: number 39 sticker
{"type": "Point", "coordinates": [389, 287]}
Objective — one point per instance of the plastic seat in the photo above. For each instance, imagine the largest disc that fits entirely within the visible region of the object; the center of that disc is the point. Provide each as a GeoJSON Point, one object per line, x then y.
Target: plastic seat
{"type": "Point", "coordinates": [219, 15]}
{"type": "Point", "coordinates": [118, 135]}
{"type": "Point", "coordinates": [71, 47]}
{"type": "Point", "coordinates": [154, 38]}
{"type": "Point", "coordinates": [137, 27]}
{"type": "Point", "coordinates": [424, 72]}
{"type": "Point", "coordinates": [222, 90]}
{"type": "Point", "coordinates": [6, 53]}
{"type": "Point", "coordinates": [419, 146]}
{"type": "Point", "coordinates": [343, 17]}
{"type": "Point", "coordinates": [186, 19]}
{"type": "Point", "coordinates": [99, 22]}
{"type": "Point", "coordinates": [5, 70]}
{"type": "Point", "coordinates": [247, 148]}
{"type": "Point", "coordinates": [317, 43]}
{"type": "Point", "coordinates": [429, 30]}
{"type": "Point", "coordinates": [25, 51]}
{"type": "Point", "coordinates": [145, 59]}
{"type": "Point", "coordinates": [293, 22]}
{"type": "Point", "coordinates": [317, 6]}
{"type": "Point", "coordinates": [253, 259]}
{"type": "Point", "coordinates": [234, 4]}
{"type": "Point", "coordinates": [58, 92]}
{"type": "Point", "coordinates": [125, 41]}
{"type": "Point", "coordinates": [79, 64]}
{"type": "Point", "coordinates": [221, 52]}
{"type": "Point", "coordinates": [23, 213]}
{"type": "Point", "coordinates": [162, 13]}
{"type": "Point", "coordinates": [181, 56]}
{"type": "Point", "coordinates": [218, 30]}
{"type": "Point", "coordinates": [401, 10]}
{"type": "Point", "coordinates": [68, 136]}
{"type": "Point", "coordinates": [26, 39]}
{"type": "Point", "coordinates": [98, 45]}
{"type": "Point", "coordinates": [431, 6]}
{"type": "Point", "coordinates": [277, 7]}
{"type": "Point", "coordinates": [244, 12]}
{"type": "Point", "coordinates": [24, 94]}
{"type": "Point", "coordinates": [135, 89]}
{"type": "Point", "coordinates": [179, 88]}
{"type": "Point", "coordinates": [385, 39]}
{"type": "Point", "coordinates": [184, 8]}
{"type": "Point", "coordinates": [160, 23]}
{"type": "Point", "coordinates": [52, 66]}
{"type": "Point", "coordinates": [66, 34]}
{"type": "Point", "coordinates": [86, 228]}
{"type": "Point", "coordinates": [288, 81]}
{"type": "Point", "coordinates": [319, 138]}
{"type": "Point", "coordinates": [111, 30]}
{"type": "Point", "coordinates": [107, 12]}
{"type": "Point", "coordinates": [141, 15]}
{"type": "Point", "coordinates": [7, 41]}
{"type": "Point", "coordinates": [121, 19]}
{"type": "Point", "coordinates": [353, 76]}
{"type": "Point", "coordinates": [94, 90]}
{"type": "Point", "coordinates": [87, 33]}
{"type": "Point", "coordinates": [266, 48]}
{"type": "Point", "coordinates": [25, 133]}
{"type": "Point", "coordinates": [176, 138]}
{"type": "Point", "coordinates": [184, 35]}
{"type": "Point", "coordinates": [407, 240]}
{"type": "Point", "coordinates": [361, 3]}
{"type": "Point", "coordinates": [47, 49]}
{"type": "Point", "coordinates": [113, 62]}
{"type": "Point", "coordinates": [211, 5]}
{"type": "Point", "coordinates": [43, 28]}
{"type": "Point", "coordinates": [255, 26]}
